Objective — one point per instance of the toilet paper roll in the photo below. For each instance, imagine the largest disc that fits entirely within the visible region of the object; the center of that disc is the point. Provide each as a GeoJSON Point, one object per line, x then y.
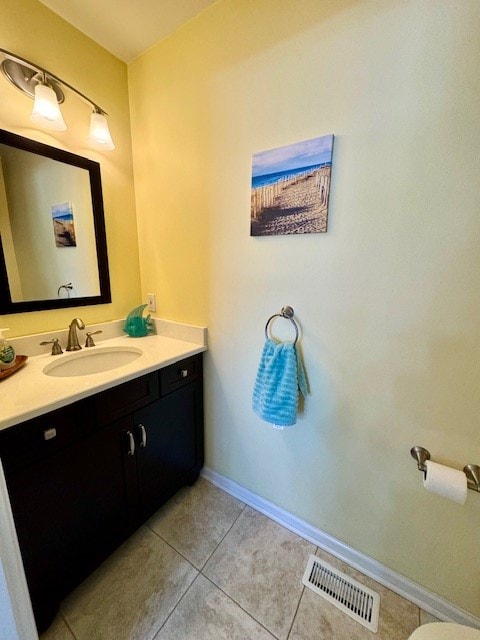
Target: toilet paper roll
{"type": "Point", "coordinates": [445, 481]}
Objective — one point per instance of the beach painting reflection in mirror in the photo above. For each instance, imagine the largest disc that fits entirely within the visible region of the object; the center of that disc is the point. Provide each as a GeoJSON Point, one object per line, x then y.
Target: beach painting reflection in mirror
{"type": "Point", "coordinates": [63, 225]}
{"type": "Point", "coordinates": [291, 188]}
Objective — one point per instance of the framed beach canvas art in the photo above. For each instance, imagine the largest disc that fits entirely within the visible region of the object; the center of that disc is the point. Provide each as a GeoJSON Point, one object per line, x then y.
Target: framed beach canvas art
{"type": "Point", "coordinates": [63, 225]}
{"type": "Point", "coordinates": [291, 187]}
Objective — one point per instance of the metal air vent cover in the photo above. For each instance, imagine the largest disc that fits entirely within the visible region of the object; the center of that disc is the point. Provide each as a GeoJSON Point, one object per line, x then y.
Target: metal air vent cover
{"type": "Point", "coordinates": [348, 595]}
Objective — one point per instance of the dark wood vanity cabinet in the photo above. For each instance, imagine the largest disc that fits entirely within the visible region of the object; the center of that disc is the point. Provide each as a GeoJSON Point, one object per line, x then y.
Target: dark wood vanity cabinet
{"type": "Point", "coordinates": [81, 479]}
{"type": "Point", "coordinates": [69, 510]}
{"type": "Point", "coordinates": [162, 440]}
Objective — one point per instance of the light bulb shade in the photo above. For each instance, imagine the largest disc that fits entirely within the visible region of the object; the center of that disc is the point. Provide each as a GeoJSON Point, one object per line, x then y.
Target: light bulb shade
{"type": "Point", "coordinates": [99, 135]}
{"type": "Point", "coordinates": [46, 112]}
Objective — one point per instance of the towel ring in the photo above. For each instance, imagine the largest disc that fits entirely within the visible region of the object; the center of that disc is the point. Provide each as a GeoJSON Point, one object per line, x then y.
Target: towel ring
{"type": "Point", "coordinates": [287, 313]}
{"type": "Point", "coordinates": [68, 287]}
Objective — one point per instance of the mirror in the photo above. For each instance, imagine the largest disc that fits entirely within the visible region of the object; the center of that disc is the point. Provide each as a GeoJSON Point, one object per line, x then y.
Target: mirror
{"type": "Point", "coordinates": [53, 249]}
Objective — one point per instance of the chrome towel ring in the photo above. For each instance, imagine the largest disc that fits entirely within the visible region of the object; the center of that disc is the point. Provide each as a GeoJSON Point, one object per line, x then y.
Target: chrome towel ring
{"type": "Point", "coordinates": [287, 313]}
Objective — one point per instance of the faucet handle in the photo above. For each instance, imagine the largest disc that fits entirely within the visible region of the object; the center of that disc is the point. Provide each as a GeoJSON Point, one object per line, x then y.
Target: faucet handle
{"type": "Point", "coordinates": [56, 348]}
{"type": "Point", "coordinates": [90, 342]}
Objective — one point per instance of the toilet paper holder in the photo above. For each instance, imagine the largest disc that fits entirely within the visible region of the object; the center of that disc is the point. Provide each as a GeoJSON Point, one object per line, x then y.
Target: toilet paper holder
{"type": "Point", "coordinates": [472, 471]}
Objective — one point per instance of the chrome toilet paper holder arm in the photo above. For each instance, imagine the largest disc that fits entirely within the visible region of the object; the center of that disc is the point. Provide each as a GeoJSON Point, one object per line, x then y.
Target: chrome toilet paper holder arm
{"type": "Point", "coordinates": [472, 471]}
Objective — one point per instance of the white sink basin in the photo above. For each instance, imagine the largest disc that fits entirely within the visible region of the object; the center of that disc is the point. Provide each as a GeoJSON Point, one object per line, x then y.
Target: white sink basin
{"type": "Point", "coordinates": [94, 360]}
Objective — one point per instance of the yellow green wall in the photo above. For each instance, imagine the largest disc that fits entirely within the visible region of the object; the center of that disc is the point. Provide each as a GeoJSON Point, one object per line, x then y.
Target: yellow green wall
{"type": "Point", "coordinates": [388, 299]}
{"type": "Point", "coordinates": [32, 31]}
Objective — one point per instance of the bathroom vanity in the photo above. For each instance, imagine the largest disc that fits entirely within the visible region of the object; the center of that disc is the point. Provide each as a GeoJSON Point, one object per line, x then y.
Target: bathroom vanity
{"type": "Point", "coordinates": [83, 476]}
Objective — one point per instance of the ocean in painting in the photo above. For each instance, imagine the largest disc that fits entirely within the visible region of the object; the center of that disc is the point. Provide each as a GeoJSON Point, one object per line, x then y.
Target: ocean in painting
{"type": "Point", "coordinates": [67, 217]}
{"type": "Point", "coordinates": [63, 211]}
{"type": "Point", "coordinates": [272, 178]}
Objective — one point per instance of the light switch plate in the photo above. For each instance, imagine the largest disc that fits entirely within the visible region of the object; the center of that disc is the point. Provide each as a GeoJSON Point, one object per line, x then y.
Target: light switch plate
{"type": "Point", "coordinates": [151, 302]}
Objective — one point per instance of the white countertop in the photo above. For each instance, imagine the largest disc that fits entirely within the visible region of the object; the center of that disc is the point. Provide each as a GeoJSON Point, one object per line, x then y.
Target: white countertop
{"type": "Point", "coordinates": [30, 392]}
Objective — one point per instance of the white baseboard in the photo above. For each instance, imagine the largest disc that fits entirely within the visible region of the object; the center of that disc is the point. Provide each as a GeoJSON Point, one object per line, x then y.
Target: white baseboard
{"type": "Point", "coordinates": [426, 600]}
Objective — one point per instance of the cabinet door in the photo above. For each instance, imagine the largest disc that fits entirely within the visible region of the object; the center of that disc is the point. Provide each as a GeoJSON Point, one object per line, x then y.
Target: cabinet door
{"type": "Point", "coordinates": [169, 430]}
{"type": "Point", "coordinates": [71, 511]}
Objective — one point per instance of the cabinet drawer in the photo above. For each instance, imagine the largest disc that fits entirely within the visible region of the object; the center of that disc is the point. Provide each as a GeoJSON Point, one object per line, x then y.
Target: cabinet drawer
{"type": "Point", "coordinates": [47, 434]}
{"type": "Point", "coordinates": [125, 398]}
{"type": "Point", "coordinates": [180, 373]}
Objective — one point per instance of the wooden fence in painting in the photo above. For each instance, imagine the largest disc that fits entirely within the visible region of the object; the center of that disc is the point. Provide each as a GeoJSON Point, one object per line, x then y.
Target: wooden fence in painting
{"type": "Point", "coordinates": [264, 197]}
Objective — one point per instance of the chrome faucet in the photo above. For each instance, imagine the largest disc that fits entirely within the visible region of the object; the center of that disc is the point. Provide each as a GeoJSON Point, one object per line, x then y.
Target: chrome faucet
{"type": "Point", "coordinates": [72, 343]}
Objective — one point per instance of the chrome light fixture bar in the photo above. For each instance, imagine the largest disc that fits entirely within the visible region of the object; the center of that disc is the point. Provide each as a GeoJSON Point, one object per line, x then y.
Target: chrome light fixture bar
{"type": "Point", "coordinates": [46, 89]}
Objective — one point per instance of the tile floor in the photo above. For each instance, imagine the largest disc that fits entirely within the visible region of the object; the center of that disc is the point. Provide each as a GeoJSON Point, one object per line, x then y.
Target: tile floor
{"type": "Point", "coordinates": [208, 567]}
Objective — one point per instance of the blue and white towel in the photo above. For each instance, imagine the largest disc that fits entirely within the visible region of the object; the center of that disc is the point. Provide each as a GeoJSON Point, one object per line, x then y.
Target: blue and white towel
{"type": "Point", "coordinates": [280, 377]}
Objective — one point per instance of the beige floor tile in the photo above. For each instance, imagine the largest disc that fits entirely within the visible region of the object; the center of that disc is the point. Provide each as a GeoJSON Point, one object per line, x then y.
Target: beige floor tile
{"type": "Point", "coordinates": [196, 519]}
{"type": "Point", "coordinates": [205, 613]}
{"type": "Point", "coordinates": [130, 596]}
{"type": "Point", "coordinates": [58, 630]}
{"type": "Point", "coordinates": [317, 619]}
{"type": "Point", "coordinates": [260, 565]}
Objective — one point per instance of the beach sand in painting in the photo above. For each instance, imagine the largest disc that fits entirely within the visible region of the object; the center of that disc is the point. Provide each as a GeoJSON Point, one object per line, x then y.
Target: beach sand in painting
{"type": "Point", "coordinates": [298, 205]}
{"type": "Point", "coordinates": [64, 233]}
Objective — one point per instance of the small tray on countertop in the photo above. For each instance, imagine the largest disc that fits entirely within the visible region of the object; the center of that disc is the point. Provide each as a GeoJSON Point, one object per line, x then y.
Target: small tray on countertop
{"type": "Point", "coordinates": [19, 362]}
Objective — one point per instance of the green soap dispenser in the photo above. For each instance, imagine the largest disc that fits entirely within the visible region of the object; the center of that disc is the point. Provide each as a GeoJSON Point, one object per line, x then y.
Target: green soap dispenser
{"type": "Point", "coordinates": [7, 352]}
{"type": "Point", "coordinates": [136, 325]}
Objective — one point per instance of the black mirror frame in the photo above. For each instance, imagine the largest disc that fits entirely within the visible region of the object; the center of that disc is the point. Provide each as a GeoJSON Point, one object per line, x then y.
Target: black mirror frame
{"type": "Point", "coordinates": [93, 168]}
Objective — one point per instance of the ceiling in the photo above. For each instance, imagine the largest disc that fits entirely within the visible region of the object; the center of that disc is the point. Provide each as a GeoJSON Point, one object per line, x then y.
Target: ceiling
{"type": "Point", "coordinates": [126, 28]}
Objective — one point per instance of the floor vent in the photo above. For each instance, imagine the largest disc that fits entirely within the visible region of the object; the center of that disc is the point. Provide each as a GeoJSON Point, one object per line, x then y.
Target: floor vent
{"type": "Point", "coordinates": [351, 597]}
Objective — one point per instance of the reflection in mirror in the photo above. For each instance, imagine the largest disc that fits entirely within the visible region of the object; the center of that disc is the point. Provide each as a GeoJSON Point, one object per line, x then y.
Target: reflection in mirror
{"type": "Point", "coordinates": [52, 228]}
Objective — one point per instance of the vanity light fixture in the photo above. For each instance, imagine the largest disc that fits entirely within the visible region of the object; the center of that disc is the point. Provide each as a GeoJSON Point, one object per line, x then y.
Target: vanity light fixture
{"type": "Point", "coordinates": [99, 136]}
{"type": "Point", "coordinates": [45, 88]}
{"type": "Point", "coordinates": [46, 111]}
